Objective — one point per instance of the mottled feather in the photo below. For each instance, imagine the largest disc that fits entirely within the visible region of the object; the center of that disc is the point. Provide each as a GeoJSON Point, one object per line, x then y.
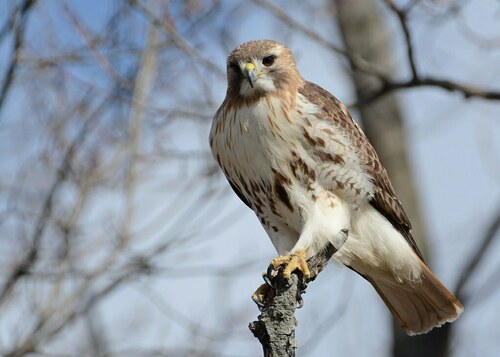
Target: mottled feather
{"type": "Point", "coordinates": [384, 198]}
{"type": "Point", "coordinates": [293, 154]}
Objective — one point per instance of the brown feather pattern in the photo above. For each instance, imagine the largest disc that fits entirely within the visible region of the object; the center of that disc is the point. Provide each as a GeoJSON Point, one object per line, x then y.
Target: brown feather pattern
{"type": "Point", "coordinates": [293, 154]}
{"type": "Point", "coordinates": [384, 199]}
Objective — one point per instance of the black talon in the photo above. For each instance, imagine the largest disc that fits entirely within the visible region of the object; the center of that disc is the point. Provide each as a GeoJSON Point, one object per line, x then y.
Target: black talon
{"type": "Point", "coordinates": [287, 284]}
{"type": "Point", "coordinates": [301, 289]}
{"type": "Point", "coordinates": [300, 303]}
{"type": "Point", "coordinates": [269, 271]}
{"type": "Point", "coordinates": [267, 279]}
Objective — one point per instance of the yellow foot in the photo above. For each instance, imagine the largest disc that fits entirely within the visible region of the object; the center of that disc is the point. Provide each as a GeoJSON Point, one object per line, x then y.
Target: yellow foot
{"type": "Point", "coordinates": [291, 263]}
{"type": "Point", "coordinates": [263, 295]}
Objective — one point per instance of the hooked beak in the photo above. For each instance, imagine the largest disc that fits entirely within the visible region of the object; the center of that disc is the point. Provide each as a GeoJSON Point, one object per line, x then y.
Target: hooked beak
{"type": "Point", "coordinates": [250, 73]}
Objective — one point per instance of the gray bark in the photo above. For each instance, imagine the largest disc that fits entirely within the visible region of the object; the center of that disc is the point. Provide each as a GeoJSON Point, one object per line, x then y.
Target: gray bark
{"type": "Point", "coordinates": [275, 327]}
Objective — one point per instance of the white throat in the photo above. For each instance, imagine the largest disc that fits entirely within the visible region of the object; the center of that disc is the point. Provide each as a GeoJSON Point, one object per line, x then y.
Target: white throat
{"type": "Point", "coordinates": [262, 84]}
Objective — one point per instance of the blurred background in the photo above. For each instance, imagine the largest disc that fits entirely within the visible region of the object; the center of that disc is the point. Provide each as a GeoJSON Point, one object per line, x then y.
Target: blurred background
{"type": "Point", "coordinates": [120, 237]}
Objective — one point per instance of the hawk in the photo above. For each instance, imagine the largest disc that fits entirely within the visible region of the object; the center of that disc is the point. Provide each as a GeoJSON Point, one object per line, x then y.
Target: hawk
{"type": "Point", "coordinates": [293, 154]}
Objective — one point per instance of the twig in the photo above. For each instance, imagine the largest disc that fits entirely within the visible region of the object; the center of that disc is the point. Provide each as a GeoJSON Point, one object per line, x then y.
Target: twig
{"type": "Point", "coordinates": [16, 50]}
{"type": "Point", "coordinates": [402, 17]}
{"type": "Point", "coordinates": [467, 91]}
{"type": "Point", "coordinates": [275, 328]}
{"type": "Point", "coordinates": [24, 266]}
{"type": "Point", "coordinates": [359, 63]}
{"type": "Point", "coordinates": [177, 39]}
{"type": "Point", "coordinates": [356, 60]}
{"type": "Point", "coordinates": [89, 40]}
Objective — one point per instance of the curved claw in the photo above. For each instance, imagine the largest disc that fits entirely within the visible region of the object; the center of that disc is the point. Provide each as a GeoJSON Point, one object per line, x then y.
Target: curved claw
{"type": "Point", "coordinates": [271, 271]}
{"type": "Point", "coordinates": [301, 290]}
{"type": "Point", "coordinates": [302, 287]}
{"type": "Point", "coordinates": [267, 278]}
{"type": "Point", "coordinates": [300, 302]}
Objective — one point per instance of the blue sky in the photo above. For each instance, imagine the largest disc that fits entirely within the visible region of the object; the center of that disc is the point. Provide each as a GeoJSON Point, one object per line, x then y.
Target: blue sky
{"type": "Point", "coordinates": [454, 145]}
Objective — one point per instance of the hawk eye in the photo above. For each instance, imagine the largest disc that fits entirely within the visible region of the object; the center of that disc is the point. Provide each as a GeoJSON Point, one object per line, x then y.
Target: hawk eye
{"type": "Point", "coordinates": [268, 61]}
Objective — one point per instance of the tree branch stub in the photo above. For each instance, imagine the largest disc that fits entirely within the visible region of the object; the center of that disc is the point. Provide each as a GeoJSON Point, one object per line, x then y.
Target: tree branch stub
{"type": "Point", "coordinates": [275, 327]}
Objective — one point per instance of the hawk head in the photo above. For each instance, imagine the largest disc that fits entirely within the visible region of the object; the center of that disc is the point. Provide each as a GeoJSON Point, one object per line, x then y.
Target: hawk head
{"type": "Point", "coordinates": [257, 68]}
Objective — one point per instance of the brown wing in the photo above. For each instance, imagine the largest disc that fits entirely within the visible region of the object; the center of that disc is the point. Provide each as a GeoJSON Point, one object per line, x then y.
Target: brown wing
{"type": "Point", "coordinates": [384, 199]}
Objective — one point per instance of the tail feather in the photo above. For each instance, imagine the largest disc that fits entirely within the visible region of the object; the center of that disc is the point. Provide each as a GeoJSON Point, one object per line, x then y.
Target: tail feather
{"type": "Point", "coordinates": [418, 306]}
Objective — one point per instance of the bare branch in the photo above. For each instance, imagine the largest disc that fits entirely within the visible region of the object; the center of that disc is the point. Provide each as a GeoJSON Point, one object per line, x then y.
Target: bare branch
{"type": "Point", "coordinates": [356, 60]}
{"type": "Point", "coordinates": [29, 345]}
{"type": "Point", "coordinates": [31, 257]}
{"type": "Point", "coordinates": [451, 86]}
{"type": "Point", "coordinates": [144, 82]}
{"type": "Point", "coordinates": [103, 62]}
{"type": "Point", "coordinates": [18, 40]}
{"type": "Point", "coordinates": [403, 21]}
{"type": "Point", "coordinates": [388, 85]}
{"type": "Point", "coordinates": [178, 40]}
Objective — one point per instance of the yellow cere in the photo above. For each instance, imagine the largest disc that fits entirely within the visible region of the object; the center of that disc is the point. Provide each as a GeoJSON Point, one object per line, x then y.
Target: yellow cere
{"type": "Point", "coordinates": [249, 66]}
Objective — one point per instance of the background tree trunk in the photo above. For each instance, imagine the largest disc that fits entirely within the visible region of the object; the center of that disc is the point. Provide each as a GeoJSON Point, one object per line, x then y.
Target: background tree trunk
{"type": "Point", "coordinates": [362, 26]}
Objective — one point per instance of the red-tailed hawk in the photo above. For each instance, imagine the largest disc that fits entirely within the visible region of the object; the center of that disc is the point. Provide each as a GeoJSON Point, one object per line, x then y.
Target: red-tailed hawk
{"type": "Point", "coordinates": [292, 153]}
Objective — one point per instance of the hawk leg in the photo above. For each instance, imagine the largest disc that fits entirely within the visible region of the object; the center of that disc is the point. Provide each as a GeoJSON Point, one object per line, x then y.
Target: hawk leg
{"type": "Point", "coordinates": [291, 263]}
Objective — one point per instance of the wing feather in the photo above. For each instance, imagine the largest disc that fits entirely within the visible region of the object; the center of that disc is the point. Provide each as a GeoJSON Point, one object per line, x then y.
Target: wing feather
{"type": "Point", "coordinates": [384, 198]}
{"type": "Point", "coordinates": [239, 193]}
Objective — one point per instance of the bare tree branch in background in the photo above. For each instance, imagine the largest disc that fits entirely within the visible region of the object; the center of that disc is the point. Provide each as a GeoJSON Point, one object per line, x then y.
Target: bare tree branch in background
{"type": "Point", "coordinates": [402, 15]}
{"type": "Point", "coordinates": [17, 25]}
{"type": "Point", "coordinates": [386, 84]}
{"type": "Point", "coordinates": [382, 119]}
{"type": "Point", "coordinates": [111, 209]}
{"type": "Point", "coordinates": [23, 268]}
{"type": "Point", "coordinates": [103, 136]}
{"type": "Point", "coordinates": [466, 90]}
{"type": "Point", "coordinates": [142, 91]}
{"type": "Point", "coordinates": [358, 61]}
{"type": "Point", "coordinates": [178, 40]}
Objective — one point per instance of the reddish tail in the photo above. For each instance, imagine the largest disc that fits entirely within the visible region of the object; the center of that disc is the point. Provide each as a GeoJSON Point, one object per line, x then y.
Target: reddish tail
{"type": "Point", "coordinates": [419, 307]}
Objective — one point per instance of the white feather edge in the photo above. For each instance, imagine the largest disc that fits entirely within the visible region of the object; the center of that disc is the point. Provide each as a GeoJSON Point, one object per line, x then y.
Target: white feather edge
{"type": "Point", "coordinates": [375, 248]}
